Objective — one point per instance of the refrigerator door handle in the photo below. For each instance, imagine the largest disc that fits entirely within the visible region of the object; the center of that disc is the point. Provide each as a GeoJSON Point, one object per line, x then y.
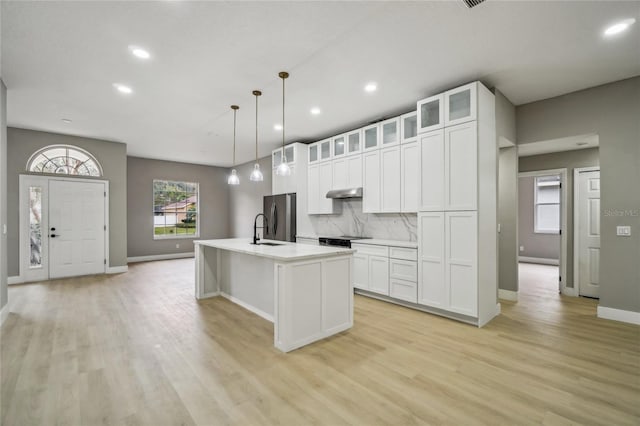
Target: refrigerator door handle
{"type": "Point", "coordinates": [274, 218]}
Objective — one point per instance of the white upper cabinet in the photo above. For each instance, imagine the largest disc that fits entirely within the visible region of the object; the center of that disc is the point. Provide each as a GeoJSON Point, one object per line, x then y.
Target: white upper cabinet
{"type": "Point", "coordinates": [461, 167]}
{"type": "Point", "coordinates": [371, 136]}
{"type": "Point", "coordinates": [290, 153]}
{"type": "Point", "coordinates": [314, 152]}
{"type": "Point", "coordinates": [339, 146]}
{"type": "Point", "coordinates": [430, 113]}
{"type": "Point", "coordinates": [410, 177]}
{"type": "Point", "coordinates": [390, 132]}
{"type": "Point", "coordinates": [354, 142]}
{"type": "Point", "coordinates": [409, 127]}
{"type": "Point", "coordinates": [371, 182]}
{"type": "Point", "coordinates": [390, 180]}
{"type": "Point", "coordinates": [432, 171]}
{"type": "Point", "coordinates": [460, 104]}
{"type": "Point", "coordinates": [326, 185]}
{"type": "Point", "coordinates": [276, 158]}
{"type": "Point", "coordinates": [340, 173]}
{"type": "Point", "coordinates": [354, 171]}
{"type": "Point", "coordinates": [326, 153]}
{"type": "Point", "coordinates": [313, 189]}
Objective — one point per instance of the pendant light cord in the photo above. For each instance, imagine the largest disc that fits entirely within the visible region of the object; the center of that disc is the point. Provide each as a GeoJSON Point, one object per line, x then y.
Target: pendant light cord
{"type": "Point", "coordinates": [234, 136]}
{"type": "Point", "coordinates": [256, 127]}
{"type": "Point", "coordinates": [283, 126]}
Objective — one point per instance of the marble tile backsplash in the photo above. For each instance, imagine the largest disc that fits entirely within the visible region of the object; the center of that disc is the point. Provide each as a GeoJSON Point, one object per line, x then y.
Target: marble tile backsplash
{"type": "Point", "coordinates": [352, 221]}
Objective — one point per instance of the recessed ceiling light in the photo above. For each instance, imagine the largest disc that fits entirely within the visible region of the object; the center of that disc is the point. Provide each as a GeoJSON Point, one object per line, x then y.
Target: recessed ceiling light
{"type": "Point", "coordinates": [66, 120]}
{"type": "Point", "coordinates": [371, 87]}
{"type": "Point", "coordinates": [277, 127]}
{"type": "Point", "coordinates": [619, 27]}
{"type": "Point", "coordinates": [315, 111]}
{"type": "Point", "coordinates": [139, 52]}
{"type": "Point", "coordinates": [122, 88]}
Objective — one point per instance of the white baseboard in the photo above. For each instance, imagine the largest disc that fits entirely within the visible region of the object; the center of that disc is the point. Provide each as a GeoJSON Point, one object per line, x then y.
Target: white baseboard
{"type": "Point", "coordinates": [570, 291]}
{"type": "Point", "coordinates": [15, 280]}
{"type": "Point", "coordinates": [208, 295]}
{"type": "Point", "coordinates": [508, 295]}
{"type": "Point", "coordinates": [248, 307]}
{"type": "Point", "coordinates": [619, 315]}
{"type": "Point", "coordinates": [4, 313]}
{"type": "Point", "coordinates": [160, 257]}
{"type": "Point", "coordinates": [540, 260]}
{"type": "Point", "coordinates": [116, 269]}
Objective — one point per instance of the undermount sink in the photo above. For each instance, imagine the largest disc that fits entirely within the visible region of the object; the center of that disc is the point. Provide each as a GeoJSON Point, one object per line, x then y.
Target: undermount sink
{"type": "Point", "coordinates": [267, 244]}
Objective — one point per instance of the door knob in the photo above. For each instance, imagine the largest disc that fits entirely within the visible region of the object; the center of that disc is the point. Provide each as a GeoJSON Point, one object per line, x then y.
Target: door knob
{"type": "Point", "coordinates": [53, 235]}
{"type": "Point", "coordinates": [53, 229]}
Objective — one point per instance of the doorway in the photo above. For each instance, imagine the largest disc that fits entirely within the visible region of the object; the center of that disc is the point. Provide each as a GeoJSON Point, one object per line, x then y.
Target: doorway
{"type": "Point", "coordinates": [542, 217]}
{"type": "Point", "coordinates": [63, 227]}
{"type": "Point", "coordinates": [587, 231]}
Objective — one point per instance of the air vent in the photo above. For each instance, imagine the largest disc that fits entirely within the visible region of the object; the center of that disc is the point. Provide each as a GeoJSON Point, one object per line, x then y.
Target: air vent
{"type": "Point", "coordinates": [472, 3]}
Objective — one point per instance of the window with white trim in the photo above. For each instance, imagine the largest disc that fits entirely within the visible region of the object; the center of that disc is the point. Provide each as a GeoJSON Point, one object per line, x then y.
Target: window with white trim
{"type": "Point", "coordinates": [64, 160]}
{"type": "Point", "coordinates": [175, 209]}
{"type": "Point", "coordinates": [547, 204]}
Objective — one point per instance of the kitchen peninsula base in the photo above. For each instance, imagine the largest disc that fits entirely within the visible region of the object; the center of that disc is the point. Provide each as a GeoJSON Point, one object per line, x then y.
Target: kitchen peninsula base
{"type": "Point", "coordinates": [306, 291]}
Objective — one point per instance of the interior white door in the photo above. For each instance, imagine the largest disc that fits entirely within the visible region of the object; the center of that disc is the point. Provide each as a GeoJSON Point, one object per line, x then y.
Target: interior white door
{"type": "Point", "coordinates": [589, 233]}
{"type": "Point", "coordinates": [76, 228]}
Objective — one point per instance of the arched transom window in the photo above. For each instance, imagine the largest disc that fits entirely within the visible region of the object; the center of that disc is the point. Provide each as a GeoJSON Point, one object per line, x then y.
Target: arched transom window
{"type": "Point", "coordinates": [64, 160]}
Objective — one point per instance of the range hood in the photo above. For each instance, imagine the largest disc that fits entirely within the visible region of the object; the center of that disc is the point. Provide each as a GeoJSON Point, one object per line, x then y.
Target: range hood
{"type": "Point", "coordinates": [345, 193]}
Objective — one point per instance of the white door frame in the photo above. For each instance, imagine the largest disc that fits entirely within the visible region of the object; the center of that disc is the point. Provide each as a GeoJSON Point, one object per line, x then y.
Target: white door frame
{"type": "Point", "coordinates": [576, 221]}
{"type": "Point", "coordinates": [24, 235]}
{"type": "Point", "coordinates": [569, 291]}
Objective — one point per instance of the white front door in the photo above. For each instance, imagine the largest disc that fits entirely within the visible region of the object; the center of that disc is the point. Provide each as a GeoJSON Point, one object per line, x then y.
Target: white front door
{"type": "Point", "coordinates": [63, 224]}
{"type": "Point", "coordinates": [588, 233]}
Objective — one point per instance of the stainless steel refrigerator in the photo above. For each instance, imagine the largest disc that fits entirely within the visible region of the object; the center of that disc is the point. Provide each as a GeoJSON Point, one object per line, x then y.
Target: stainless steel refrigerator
{"type": "Point", "coordinates": [280, 211]}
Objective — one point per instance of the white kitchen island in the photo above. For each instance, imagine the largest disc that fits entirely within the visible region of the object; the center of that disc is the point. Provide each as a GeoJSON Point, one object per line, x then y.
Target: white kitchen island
{"type": "Point", "coordinates": [305, 290]}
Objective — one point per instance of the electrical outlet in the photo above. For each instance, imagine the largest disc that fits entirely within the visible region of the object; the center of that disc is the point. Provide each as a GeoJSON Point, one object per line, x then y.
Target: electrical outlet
{"type": "Point", "coordinates": [623, 231]}
{"type": "Point", "coordinates": [521, 248]}
{"type": "Point", "coordinates": [177, 245]}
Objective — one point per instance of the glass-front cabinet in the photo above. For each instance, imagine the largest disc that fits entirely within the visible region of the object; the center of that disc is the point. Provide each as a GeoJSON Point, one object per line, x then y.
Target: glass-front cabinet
{"type": "Point", "coordinates": [430, 113]}
{"type": "Point", "coordinates": [371, 137]}
{"type": "Point", "coordinates": [276, 157]}
{"type": "Point", "coordinates": [290, 153]}
{"type": "Point", "coordinates": [325, 150]}
{"type": "Point", "coordinates": [339, 146]}
{"type": "Point", "coordinates": [354, 142]}
{"type": "Point", "coordinates": [314, 152]}
{"type": "Point", "coordinates": [390, 132]}
{"type": "Point", "coordinates": [409, 127]}
{"type": "Point", "coordinates": [460, 104]}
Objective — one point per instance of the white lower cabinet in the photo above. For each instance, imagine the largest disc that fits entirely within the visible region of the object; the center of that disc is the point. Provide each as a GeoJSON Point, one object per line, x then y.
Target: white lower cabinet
{"type": "Point", "coordinates": [379, 274]}
{"type": "Point", "coordinates": [377, 271]}
{"type": "Point", "coordinates": [447, 258]}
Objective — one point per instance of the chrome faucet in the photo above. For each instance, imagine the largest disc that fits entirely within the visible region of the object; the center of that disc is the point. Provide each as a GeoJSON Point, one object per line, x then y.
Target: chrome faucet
{"type": "Point", "coordinates": [265, 225]}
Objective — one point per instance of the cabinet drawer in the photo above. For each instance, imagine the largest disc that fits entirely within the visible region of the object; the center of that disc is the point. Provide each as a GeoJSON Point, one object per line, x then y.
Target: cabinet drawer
{"type": "Point", "coordinates": [403, 253]}
{"type": "Point", "coordinates": [403, 270]}
{"type": "Point", "coordinates": [404, 290]}
{"type": "Point", "coordinates": [371, 249]}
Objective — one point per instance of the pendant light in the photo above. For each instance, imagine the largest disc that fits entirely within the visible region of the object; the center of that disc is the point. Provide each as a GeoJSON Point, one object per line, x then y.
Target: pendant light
{"type": "Point", "coordinates": [256, 174]}
{"type": "Point", "coordinates": [233, 178]}
{"type": "Point", "coordinates": [283, 168]}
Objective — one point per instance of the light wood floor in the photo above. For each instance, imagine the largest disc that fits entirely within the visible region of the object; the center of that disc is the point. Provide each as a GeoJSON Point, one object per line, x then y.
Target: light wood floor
{"type": "Point", "coordinates": [138, 349]}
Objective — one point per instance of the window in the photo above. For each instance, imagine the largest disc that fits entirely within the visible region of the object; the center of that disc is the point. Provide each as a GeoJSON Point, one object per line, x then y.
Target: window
{"type": "Point", "coordinates": [175, 209]}
{"type": "Point", "coordinates": [547, 205]}
{"type": "Point", "coordinates": [64, 160]}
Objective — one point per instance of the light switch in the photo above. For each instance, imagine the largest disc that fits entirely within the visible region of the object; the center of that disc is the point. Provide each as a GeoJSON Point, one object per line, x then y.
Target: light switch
{"type": "Point", "coordinates": [623, 231]}
{"type": "Point", "coordinates": [4, 229]}
{"type": "Point", "coordinates": [521, 248]}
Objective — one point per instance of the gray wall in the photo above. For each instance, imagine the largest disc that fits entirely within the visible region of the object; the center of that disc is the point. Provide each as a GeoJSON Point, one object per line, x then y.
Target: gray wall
{"type": "Point", "coordinates": [111, 155]}
{"type": "Point", "coordinates": [214, 204]}
{"type": "Point", "coordinates": [612, 112]}
{"type": "Point", "coordinates": [508, 219]}
{"type": "Point", "coordinates": [507, 195]}
{"type": "Point", "coordinates": [560, 160]}
{"type": "Point", "coordinates": [245, 200]}
{"type": "Point", "coordinates": [4, 297]}
{"type": "Point", "coordinates": [545, 246]}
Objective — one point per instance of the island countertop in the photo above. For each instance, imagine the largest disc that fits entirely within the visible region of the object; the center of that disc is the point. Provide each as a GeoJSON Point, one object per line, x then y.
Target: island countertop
{"type": "Point", "coordinates": [284, 251]}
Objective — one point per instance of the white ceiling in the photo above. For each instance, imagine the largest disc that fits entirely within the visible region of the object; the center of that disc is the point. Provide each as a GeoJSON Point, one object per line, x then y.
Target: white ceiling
{"type": "Point", "coordinates": [60, 59]}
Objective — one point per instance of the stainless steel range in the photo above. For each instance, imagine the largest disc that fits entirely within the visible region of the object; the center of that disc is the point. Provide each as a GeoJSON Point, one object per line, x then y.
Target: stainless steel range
{"type": "Point", "coordinates": [343, 241]}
